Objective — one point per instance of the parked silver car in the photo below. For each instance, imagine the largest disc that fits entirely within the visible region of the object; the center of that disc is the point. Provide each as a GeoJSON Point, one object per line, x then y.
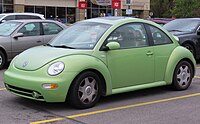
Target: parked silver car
{"type": "Point", "coordinates": [18, 16]}
{"type": "Point", "coordinates": [19, 35]}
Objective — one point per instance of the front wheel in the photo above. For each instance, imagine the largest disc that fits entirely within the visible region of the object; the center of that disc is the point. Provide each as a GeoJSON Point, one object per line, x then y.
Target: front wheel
{"type": "Point", "coordinates": [182, 77]}
{"type": "Point", "coordinates": [85, 90]}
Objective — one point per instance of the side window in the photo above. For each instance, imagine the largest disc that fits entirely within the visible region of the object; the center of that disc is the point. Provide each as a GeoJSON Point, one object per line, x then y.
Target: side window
{"type": "Point", "coordinates": [30, 29]}
{"type": "Point", "coordinates": [35, 17]}
{"type": "Point", "coordinates": [51, 28]}
{"type": "Point", "coordinates": [11, 17]}
{"type": "Point", "coordinates": [159, 37]}
{"type": "Point", "coordinates": [130, 35]}
{"type": "Point", "coordinates": [18, 17]}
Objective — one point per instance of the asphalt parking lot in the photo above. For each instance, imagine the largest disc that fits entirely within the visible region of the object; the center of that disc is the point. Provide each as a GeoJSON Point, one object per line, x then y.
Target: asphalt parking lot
{"type": "Point", "coordinates": [150, 106]}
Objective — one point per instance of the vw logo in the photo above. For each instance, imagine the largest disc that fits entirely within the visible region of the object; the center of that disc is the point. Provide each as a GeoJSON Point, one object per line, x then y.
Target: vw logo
{"type": "Point", "coordinates": [25, 64]}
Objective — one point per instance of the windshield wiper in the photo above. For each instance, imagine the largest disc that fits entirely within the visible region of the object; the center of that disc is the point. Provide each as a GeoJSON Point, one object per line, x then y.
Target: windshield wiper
{"type": "Point", "coordinates": [64, 46]}
{"type": "Point", "coordinates": [48, 45]}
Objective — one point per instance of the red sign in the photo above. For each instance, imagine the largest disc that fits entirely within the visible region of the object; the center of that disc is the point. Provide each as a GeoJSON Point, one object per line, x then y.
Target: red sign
{"type": "Point", "coordinates": [116, 4]}
{"type": "Point", "coordinates": [82, 5]}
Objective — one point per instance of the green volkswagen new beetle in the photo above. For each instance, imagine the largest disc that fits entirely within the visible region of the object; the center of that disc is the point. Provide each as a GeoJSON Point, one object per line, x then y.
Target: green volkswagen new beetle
{"type": "Point", "coordinates": [100, 57]}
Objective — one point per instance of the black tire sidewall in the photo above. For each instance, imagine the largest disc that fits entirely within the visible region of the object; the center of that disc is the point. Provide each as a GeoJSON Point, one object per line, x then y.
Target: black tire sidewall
{"type": "Point", "coordinates": [3, 60]}
{"type": "Point", "coordinates": [175, 84]}
{"type": "Point", "coordinates": [191, 48]}
{"type": "Point", "coordinates": [73, 98]}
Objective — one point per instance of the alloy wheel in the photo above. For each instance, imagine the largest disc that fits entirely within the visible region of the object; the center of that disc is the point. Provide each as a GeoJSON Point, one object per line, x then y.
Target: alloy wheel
{"type": "Point", "coordinates": [88, 90]}
{"type": "Point", "coordinates": [183, 76]}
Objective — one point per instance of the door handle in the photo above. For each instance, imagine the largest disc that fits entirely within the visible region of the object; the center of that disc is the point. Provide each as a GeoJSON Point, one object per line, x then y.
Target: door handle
{"type": "Point", "coordinates": [39, 41]}
{"type": "Point", "coordinates": [149, 53]}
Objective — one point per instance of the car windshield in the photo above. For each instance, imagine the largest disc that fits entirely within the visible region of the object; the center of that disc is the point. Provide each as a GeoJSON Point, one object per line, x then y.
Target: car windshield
{"type": "Point", "coordinates": [182, 25]}
{"type": "Point", "coordinates": [8, 27]}
{"type": "Point", "coordinates": [82, 35]}
{"type": "Point", "coordinates": [1, 16]}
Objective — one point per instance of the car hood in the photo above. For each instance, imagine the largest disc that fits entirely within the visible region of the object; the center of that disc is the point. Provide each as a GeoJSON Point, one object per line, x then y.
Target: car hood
{"type": "Point", "coordinates": [177, 33]}
{"type": "Point", "coordinates": [3, 37]}
{"type": "Point", "coordinates": [35, 58]}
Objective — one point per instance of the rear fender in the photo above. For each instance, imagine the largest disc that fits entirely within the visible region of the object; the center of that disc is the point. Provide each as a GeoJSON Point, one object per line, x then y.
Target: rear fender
{"type": "Point", "coordinates": [178, 54]}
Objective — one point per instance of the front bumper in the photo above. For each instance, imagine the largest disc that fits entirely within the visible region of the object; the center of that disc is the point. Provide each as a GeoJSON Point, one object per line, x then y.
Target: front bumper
{"type": "Point", "coordinates": [28, 84]}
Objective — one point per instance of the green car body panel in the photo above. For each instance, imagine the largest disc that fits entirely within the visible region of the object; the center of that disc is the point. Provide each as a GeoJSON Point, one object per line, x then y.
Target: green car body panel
{"type": "Point", "coordinates": [122, 70]}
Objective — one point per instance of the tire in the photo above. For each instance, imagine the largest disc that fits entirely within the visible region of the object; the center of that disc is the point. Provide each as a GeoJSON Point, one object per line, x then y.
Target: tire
{"type": "Point", "coordinates": [2, 60]}
{"type": "Point", "coordinates": [85, 90]}
{"type": "Point", "coordinates": [190, 48]}
{"type": "Point", "coordinates": [182, 77]}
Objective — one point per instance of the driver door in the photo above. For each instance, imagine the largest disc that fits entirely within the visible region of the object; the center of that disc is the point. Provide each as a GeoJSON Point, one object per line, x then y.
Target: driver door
{"type": "Point", "coordinates": [133, 63]}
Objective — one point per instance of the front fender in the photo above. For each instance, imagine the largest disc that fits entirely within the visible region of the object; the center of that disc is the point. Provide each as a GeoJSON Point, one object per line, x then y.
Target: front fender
{"type": "Point", "coordinates": [178, 54]}
{"type": "Point", "coordinates": [79, 63]}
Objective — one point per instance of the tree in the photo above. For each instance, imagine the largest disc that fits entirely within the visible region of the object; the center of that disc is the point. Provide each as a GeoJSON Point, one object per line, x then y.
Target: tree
{"type": "Point", "coordinates": [162, 8]}
{"type": "Point", "coordinates": [186, 8]}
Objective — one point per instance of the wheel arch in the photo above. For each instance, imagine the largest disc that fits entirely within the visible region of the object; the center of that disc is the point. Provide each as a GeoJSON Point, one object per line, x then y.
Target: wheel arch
{"type": "Point", "coordinates": [89, 63]}
{"type": "Point", "coordinates": [179, 54]}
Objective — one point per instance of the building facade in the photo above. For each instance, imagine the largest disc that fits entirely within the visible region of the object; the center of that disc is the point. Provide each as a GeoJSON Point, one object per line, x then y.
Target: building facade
{"type": "Point", "coordinates": [67, 11]}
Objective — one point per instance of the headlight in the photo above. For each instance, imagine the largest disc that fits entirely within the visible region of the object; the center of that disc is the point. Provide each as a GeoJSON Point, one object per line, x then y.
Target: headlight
{"type": "Point", "coordinates": [56, 68]}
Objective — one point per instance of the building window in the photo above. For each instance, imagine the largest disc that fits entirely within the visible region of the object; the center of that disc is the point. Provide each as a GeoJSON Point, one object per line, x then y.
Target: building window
{"type": "Point", "coordinates": [29, 9]}
{"type": "Point", "coordinates": [50, 13]}
{"type": "Point", "coordinates": [6, 6]}
{"type": "Point", "coordinates": [0, 8]}
{"type": "Point", "coordinates": [40, 10]}
{"type": "Point", "coordinates": [8, 9]}
{"type": "Point", "coordinates": [61, 14]}
{"type": "Point", "coordinates": [70, 15]}
{"type": "Point", "coordinates": [98, 11]}
{"type": "Point", "coordinates": [7, 1]}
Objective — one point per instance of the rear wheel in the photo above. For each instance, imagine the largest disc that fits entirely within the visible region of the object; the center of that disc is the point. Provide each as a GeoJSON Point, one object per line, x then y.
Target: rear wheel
{"type": "Point", "coordinates": [182, 77]}
{"type": "Point", "coordinates": [85, 90]}
{"type": "Point", "coordinates": [2, 60]}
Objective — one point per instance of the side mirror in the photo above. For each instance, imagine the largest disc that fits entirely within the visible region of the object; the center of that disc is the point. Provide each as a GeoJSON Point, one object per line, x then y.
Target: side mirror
{"type": "Point", "coordinates": [18, 35]}
{"type": "Point", "coordinates": [113, 45]}
{"type": "Point", "coordinates": [198, 32]}
{"type": "Point", "coordinates": [2, 21]}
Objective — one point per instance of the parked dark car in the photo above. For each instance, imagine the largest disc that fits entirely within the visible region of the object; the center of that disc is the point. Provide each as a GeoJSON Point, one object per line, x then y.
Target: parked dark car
{"type": "Point", "coordinates": [19, 35]}
{"type": "Point", "coordinates": [160, 21]}
{"type": "Point", "coordinates": [188, 32]}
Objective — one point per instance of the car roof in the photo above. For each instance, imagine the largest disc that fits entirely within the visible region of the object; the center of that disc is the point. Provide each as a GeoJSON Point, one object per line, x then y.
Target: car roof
{"type": "Point", "coordinates": [37, 20]}
{"type": "Point", "coordinates": [22, 14]}
{"type": "Point", "coordinates": [198, 19]}
{"type": "Point", "coordinates": [112, 19]}
{"type": "Point", "coordinates": [31, 20]}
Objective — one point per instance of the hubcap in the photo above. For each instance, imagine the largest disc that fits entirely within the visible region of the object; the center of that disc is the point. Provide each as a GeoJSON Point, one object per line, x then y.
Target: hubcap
{"type": "Point", "coordinates": [183, 75]}
{"type": "Point", "coordinates": [88, 90]}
